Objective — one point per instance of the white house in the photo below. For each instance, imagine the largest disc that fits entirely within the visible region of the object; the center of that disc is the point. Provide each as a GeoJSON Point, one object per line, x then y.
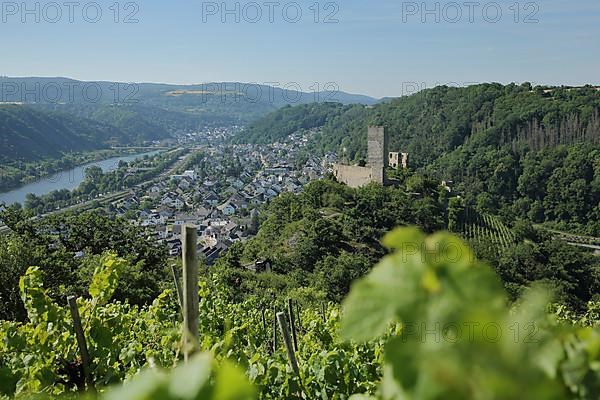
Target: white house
{"type": "Point", "coordinates": [191, 174]}
{"type": "Point", "coordinates": [238, 184]}
{"type": "Point", "coordinates": [227, 208]}
{"type": "Point", "coordinates": [178, 203]}
{"type": "Point", "coordinates": [270, 193]}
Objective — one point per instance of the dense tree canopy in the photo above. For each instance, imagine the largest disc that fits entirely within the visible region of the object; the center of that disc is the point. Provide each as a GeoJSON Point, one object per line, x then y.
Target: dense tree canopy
{"type": "Point", "coordinates": [68, 248]}
{"type": "Point", "coordinates": [514, 150]}
{"type": "Point", "coordinates": [330, 234]}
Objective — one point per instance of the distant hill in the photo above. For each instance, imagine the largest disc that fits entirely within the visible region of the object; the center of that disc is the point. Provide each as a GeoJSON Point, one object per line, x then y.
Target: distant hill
{"type": "Point", "coordinates": [437, 121]}
{"type": "Point", "coordinates": [139, 123]}
{"type": "Point", "coordinates": [74, 115]}
{"type": "Point", "coordinates": [287, 120]}
{"type": "Point", "coordinates": [219, 102]}
{"type": "Point", "coordinates": [27, 134]}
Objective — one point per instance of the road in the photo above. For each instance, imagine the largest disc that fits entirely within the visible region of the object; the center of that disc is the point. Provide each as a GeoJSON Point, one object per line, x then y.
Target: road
{"type": "Point", "coordinates": [586, 242]}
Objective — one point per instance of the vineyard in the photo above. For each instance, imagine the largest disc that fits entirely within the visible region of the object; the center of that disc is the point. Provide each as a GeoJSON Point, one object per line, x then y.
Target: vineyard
{"type": "Point", "coordinates": [431, 324]}
{"type": "Point", "coordinates": [43, 356]}
{"type": "Point", "coordinates": [476, 226]}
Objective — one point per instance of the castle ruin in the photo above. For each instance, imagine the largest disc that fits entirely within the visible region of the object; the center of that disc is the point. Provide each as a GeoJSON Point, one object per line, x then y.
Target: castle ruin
{"type": "Point", "coordinates": [398, 160]}
{"type": "Point", "coordinates": [378, 159]}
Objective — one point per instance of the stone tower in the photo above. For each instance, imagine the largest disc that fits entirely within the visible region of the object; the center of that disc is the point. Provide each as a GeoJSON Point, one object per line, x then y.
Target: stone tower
{"type": "Point", "coordinates": [377, 152]}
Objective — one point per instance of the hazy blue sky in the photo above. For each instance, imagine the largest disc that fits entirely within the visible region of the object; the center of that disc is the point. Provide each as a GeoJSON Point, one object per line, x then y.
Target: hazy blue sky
{"type": "Point", "coordinates": [380, 48]}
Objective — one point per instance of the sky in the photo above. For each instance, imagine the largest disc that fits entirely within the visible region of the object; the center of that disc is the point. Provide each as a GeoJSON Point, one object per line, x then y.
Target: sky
{"type": "Point", "coordinates": [378, 48]}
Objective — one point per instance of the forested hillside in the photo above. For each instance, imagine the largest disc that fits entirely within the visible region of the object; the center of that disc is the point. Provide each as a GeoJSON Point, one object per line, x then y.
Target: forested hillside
{"type": "Point", "coordinates": [27, 134]}
{"type": "Point", "coordinates": [319, 242]}
{"type": "Point", "coordinates": [514, 150]}
{"type": "Point", "coordinates": [436, 121]}
{"type": "Point", "coordinates": [281, 124]}
{"type": "Point", "coordinates": [139, 123]}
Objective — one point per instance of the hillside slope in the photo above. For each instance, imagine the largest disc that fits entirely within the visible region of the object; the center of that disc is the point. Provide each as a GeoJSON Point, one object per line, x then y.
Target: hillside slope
{"type": "Point", "coordinates": [436, 121]}
{"type": "Point", "coordinates": [287, 120]}
{"type": "Point", "coordinates": [138, 123]}
{"type": "Point", "coordinates": [223, 103]}
{"type": "Point", "coordinates": [517, 151]}
{"type": "Point", "coordinates": [27, 134]}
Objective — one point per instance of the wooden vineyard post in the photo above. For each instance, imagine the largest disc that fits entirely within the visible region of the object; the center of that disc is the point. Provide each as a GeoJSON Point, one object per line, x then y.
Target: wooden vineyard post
{"type": "Point", "coordinates": [177, 285]}
{"type": "Point", "coordinates": [323, 311]}
{"type": "Point", "coordinates": [274, 329]}
{"type": "Point", "coordinates": [299, 315]}
{"type": "Point", "coordinates": [288, 342]}
{"type": "Point", "coordinates": [190, 289]}
{"type": "Point", "coordinates": [83, 349]}
{"type": "Point", "coordinates": [264, 321]}
{"type": "Point", "coordinates": [292, 325]}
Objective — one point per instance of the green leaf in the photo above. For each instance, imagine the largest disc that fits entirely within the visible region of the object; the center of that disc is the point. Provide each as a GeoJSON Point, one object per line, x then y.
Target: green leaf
{"type": "Point", "coordinates": [392, 290]}
{"type": "Point", "coordinates": [190, 381]}
{"type": "Point", "coordinates": [106, 278]}
{"type": "Point", "coordinates": [408, 238]}
{"type": "Point", "coordinates": [231, 384]}
{"type": "Point", "coordinates": [148, 385]}
{"type": "Point", "coordinates": [443, 249]}
{"type": "Point", "coordinates": [549, 357]}
{"type": "Point", "coordinates": [401, 355]}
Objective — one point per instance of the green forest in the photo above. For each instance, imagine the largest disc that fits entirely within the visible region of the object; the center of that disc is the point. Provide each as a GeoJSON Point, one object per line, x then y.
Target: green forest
{"type": "Point", "coordinates": [322, 240]}
{"type": "Point", "coordinates": [29, 135]}
{"type": "Point", "coordinates": [514, 150]}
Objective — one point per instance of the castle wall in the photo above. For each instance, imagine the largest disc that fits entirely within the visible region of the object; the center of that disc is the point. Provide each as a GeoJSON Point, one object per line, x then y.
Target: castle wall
{"type": "Point", "coordinates": [378, 160]}
{"type": "Point", "coordinates": [398, 160]}
{"type": "Point", "coordinates": [353, 176]}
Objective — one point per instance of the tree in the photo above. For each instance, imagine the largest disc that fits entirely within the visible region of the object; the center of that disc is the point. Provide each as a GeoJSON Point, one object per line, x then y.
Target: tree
{"type": "Point", "coordinates": [456, 209]}
{"type": "Point", "coordinates": [485, 203]}
{"type": "Point", "coordinates": [67, 248]}
{"type": "Point", "coordinates": [335, 274]}
{"type": "Point", "coordinates": [524, 230]}
{"type": "Point", "coordinates": [254, 223]}
{"type": "Point", "coordinates": [93, 174]}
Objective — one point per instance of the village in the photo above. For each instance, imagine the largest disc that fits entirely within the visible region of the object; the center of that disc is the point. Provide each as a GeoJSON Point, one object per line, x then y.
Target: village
{"type": "Point", "coordinates": [220, 189]}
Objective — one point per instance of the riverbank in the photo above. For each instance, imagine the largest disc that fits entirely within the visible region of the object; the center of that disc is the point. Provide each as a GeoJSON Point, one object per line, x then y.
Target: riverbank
{"type": "Point", "coordinates": [67, 179]}
{"type": "Point", "coordinates": [16, 174]}
{"type": "Point", "coordinates": [174, 160]}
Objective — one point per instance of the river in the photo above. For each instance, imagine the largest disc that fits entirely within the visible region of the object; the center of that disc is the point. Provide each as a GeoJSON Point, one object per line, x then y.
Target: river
{"type": "Point", "coordinates": [68, 179]}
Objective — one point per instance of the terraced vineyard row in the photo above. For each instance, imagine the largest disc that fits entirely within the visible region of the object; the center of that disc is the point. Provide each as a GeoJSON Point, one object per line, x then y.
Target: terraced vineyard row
{"type": "Point", "coordinates": [477, 227]}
